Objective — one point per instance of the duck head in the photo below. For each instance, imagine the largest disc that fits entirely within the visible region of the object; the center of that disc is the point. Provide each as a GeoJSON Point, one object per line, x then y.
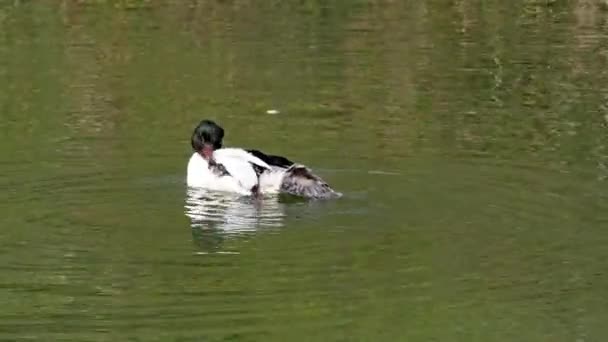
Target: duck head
{"type": "Point", "coordinates": [207, 137]}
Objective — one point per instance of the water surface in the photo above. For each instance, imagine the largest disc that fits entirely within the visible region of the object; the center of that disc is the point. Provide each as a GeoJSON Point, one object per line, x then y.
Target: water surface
{"type": "Point", "coordinates": [469, 139]}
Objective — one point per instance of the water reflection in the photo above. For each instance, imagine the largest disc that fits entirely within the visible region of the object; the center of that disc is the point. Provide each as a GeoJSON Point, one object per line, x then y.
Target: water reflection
{"type": "Point", "coordinates": [215, 217]}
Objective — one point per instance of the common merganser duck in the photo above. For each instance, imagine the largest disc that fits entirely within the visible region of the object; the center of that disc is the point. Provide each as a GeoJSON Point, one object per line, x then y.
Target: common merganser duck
{"type": "Point", "coordinates": [247, 172]}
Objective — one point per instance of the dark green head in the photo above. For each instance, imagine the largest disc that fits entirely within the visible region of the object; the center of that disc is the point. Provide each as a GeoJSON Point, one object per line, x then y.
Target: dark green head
{"type": "Point", "coordinates": [207, 136]}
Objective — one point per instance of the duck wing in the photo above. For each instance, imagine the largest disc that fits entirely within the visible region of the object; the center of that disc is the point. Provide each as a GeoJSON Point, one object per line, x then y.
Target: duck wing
{"type": "Point", "coordinates": [239, 153]}
{"type": "Point", "coordinates": [240, 165]}
{"type": "Point", "coordinates": [299, 180]}
{"type": "Point", "coordinates": [272, 160]}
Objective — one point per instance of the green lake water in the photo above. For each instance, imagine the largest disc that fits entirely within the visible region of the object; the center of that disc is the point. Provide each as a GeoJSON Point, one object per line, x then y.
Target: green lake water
{"type": "Point", "coordinates": [470, 140]}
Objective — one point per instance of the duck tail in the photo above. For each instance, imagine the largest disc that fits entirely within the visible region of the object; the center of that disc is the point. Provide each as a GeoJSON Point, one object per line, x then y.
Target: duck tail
{"type": "Point", "coordinates": [299, 180]}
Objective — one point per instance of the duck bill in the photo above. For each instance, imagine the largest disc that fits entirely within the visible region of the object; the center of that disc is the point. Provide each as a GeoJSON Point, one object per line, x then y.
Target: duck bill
{"type": "Point", "coordinates": [207, 151]}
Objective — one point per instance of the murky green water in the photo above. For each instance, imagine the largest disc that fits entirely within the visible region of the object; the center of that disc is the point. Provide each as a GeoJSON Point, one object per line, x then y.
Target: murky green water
{"type": "Point", "coordinates": [470, 139]}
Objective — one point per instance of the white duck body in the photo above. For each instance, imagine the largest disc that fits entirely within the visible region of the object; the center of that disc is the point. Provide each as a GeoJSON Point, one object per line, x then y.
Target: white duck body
{"type": "Point", "coordinates": [238, 171]}
{"type": "Point", "coordinates": [241, 175]}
